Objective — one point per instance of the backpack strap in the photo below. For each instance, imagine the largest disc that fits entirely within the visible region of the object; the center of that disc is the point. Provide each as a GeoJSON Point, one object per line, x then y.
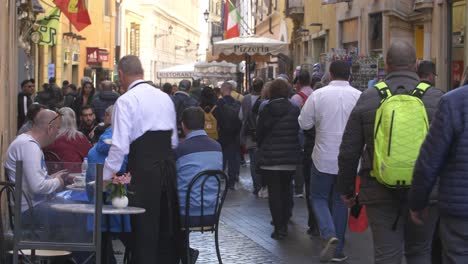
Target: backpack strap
{"type": "Point", "coordinates": [303, 95]}
{"type": "Point", "coordinates": [383, 90]}
{"type": "Point", "coordinates": [421, 89]}
{"type": "Point", "coordinates": [212, 109]}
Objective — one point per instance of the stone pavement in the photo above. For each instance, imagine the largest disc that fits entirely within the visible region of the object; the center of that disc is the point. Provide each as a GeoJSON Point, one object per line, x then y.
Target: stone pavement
{"type": "Point", "coordinates": [245, 234]}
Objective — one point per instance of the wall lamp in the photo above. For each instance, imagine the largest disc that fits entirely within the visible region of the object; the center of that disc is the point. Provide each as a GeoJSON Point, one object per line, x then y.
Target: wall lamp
{"type": "Point", "coordinates": [165, 34]}
{"type": "Point", "coordinates": [206, 15]}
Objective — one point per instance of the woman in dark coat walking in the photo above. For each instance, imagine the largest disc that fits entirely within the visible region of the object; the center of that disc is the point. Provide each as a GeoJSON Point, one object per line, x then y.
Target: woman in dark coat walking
{"type": "Point", "coordinates": [278, 152]}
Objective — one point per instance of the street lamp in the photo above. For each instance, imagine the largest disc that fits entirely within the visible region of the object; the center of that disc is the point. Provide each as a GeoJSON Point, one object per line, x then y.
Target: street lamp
{"type": "Point", "coordinates": [165, 34]}
{"type": "Point", "coordinates": [206, 15]}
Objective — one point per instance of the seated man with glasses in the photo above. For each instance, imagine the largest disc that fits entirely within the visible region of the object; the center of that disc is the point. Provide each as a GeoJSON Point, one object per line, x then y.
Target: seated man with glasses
{"type": "Point", "coordinates": [27, 147]}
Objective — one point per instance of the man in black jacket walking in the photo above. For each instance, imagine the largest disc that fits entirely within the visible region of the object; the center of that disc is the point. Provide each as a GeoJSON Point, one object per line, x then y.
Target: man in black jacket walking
{"type": "Point", "coordinates": [106, 98]}
{"type": "Point", "coordinates": [24, 101]}
{"type": "Point", "coordinates": [394, 235]}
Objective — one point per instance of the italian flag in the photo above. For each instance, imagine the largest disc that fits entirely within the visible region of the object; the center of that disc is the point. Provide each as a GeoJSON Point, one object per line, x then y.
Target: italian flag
{"type": "Point", "coordinates": [231, 20]}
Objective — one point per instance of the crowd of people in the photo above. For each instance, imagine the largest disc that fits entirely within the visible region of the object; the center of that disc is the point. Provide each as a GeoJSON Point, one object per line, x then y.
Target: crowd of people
{"type": "Point", "coordinates": [313, 135]}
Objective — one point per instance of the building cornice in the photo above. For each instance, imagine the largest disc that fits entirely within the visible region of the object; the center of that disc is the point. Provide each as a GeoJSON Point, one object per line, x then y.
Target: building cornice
{"type": "Point", "coordinates": [174, 18]}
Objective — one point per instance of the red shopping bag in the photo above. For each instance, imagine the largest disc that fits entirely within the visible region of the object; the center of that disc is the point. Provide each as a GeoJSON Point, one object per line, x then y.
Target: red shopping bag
{"type": "Point", "coordinates": [360, 223]}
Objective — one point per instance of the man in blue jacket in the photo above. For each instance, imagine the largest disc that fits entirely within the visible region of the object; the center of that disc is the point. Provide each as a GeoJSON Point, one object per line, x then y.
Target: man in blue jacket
{"type": "Point", "coordinates": [443, 155]}
{"type": "Point", "coordinates": [195, 154]}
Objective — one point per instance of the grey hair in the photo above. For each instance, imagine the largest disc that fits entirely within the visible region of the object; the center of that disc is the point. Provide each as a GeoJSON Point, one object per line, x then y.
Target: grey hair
{"type": "Point", "coordinates": [401, 54]}
{"type": "Point", "coordinates": [68, 126]}
{"type": "Point", "coordinates": [130, 65]}
{"type": "Point", "coordinates": [227, 84]}
{"type": "Point", "coordinates": [109, 110]}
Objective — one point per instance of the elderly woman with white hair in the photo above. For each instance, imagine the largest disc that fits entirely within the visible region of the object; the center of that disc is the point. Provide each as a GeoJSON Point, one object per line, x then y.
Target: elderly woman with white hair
{"type": "Point", "coordinates": [71, 145]}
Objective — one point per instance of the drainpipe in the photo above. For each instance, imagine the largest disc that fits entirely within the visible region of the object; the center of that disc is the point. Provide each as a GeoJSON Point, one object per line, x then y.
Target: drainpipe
{"type": "Point", "coordinates": [449, 43]}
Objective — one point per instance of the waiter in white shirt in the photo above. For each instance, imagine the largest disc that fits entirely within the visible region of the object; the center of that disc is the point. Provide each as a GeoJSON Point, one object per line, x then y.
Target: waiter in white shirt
{"type": "Point", "coordinates": [144, 123]}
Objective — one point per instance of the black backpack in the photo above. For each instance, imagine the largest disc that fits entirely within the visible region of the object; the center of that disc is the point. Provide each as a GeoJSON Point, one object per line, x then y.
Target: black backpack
{"type": "Point", "coordinates": [230, 114]}
{"type": "Point", "coordinates": [251, 120]}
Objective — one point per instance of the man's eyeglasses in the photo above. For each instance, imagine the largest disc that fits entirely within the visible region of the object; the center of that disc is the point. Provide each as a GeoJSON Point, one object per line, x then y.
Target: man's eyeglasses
{"type": "Point", "coordinates": [55, 118]}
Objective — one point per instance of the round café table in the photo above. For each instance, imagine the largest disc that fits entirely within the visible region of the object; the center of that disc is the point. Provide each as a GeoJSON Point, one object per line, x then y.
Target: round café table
{"type": "Point", "coordinates": [89, 209]}
{"type": "Point", "coordinates": [106, 210]}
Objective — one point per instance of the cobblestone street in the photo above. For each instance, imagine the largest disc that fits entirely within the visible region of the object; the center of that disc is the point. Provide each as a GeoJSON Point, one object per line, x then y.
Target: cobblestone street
{"type": "Point", "coordinates": [245, 234]}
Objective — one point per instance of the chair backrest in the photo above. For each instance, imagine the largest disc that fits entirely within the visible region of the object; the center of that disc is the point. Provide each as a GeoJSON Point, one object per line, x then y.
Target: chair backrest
{"type": "Point", "coordinates": [51, 156]}
{"type": "Point", "coordinates": [7, 188]}
{"type": "Point", "coordinates": [204, 176]}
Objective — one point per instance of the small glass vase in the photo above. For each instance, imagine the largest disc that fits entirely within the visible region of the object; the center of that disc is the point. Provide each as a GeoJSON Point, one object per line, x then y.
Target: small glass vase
{"type": "Point", "coordinates": [120, 202]}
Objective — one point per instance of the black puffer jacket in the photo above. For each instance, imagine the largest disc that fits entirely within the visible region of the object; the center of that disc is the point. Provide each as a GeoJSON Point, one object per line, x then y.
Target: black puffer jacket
{"type": "Point", "coordinates": [358, 138]}
{"type": "Point", "coordinates": [278, 134]}
{"type": "Point", "coordinates": [102, 102]}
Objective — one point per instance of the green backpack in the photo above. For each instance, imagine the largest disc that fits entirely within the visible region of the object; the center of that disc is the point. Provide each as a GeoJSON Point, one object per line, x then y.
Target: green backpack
{"type": "Point", "coordinates": [401, 125]}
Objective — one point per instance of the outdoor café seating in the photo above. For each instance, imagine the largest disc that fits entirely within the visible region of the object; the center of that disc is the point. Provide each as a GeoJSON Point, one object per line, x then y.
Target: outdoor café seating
{"type": "Point", "coordinates": [207, 217]}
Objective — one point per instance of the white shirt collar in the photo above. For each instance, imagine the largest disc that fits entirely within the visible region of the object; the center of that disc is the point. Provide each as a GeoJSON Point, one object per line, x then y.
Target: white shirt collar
{"type": "Point", "coordinates": [133, 83]}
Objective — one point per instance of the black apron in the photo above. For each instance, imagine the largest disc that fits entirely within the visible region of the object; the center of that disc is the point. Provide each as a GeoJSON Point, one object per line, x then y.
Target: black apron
{"type": "Point", "coordinates": [153, 187]}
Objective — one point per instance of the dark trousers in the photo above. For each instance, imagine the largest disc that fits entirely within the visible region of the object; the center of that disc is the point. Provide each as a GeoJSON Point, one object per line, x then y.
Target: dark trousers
{"type": "Point", "coordinates": [279, 196]}
{"type": "Point", "coordinates": [409, 240]}
{"type": "Point", "coordinates": [299, 180]}
{"type": "Point", "coordinates": [454, 236]}
{"type": "Point", "coordinates": [152, 242]}
{"type": "Point", "coordinates": [231, 161]}
{"type": "Point", "coordinates": [256, 177]}
{"type": "Point", "coordinates": [306, 170]}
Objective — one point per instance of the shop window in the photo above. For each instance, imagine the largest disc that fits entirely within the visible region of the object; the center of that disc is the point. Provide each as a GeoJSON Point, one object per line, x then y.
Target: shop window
{"type": "Point", "coordinates": [375, 32]}
{"type": "Point", "coordinates": [107, 7]}
{"type": "Point", "coordinates": [349, 33]}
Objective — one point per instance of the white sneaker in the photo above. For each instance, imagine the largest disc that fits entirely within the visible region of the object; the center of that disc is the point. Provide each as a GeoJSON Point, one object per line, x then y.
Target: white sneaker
{"type": "Point", "coordinates": [237, 186]}
{"type": "Point", "coordinates": [328, 250]}
{"type": "Point", "coordinates": [263, 193]}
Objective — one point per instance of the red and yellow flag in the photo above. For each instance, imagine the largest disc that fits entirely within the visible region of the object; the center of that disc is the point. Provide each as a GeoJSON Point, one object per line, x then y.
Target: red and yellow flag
{"type": "Point", "coordinates": [76, 11]}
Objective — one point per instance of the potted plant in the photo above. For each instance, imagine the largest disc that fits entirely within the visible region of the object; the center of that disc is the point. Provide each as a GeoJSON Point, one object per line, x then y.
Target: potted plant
{"type": "Point", "coordinates": [117, 190]}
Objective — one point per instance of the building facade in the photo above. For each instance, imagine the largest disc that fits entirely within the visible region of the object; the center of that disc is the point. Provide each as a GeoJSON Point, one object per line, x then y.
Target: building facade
{"type": "Point", "coordinates": [8, 75]}
{"type": "Point", "coordinates": [163, 33]}
{"type": "Point", "coordinates": [361, 32]}
{"type": "Point", "coordinates": [270, 21]}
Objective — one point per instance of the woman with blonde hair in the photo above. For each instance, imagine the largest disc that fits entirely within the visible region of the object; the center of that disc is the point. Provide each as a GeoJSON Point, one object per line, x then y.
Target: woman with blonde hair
{"type": "Point", "coordinates": [71, 145]}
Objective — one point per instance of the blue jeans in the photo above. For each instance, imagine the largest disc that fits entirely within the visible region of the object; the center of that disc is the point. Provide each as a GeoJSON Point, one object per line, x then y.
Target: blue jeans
{"type": "Point", "coordinates": [331, 221]}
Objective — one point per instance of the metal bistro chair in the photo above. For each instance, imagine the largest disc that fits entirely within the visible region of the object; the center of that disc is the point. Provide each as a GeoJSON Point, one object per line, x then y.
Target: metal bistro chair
{"type": "Point", "coordinates": [210, 225]}
{"type": "Point", "coordinates": [8, 188]}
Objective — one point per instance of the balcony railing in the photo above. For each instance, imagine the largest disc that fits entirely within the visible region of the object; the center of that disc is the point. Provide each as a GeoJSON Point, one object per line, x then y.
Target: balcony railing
{"type": "Point", "coordinates": [295, 9]}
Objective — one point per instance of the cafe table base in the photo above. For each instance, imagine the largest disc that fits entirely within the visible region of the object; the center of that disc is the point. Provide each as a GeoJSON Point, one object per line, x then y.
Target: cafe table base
{"type": "Point", "coordinates": [107, 210]}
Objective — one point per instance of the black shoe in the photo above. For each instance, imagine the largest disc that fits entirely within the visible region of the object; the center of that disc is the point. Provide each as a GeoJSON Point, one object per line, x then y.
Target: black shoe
{"type": "Point", "coordinates": [313, 231]}
{"type": "Point", "coordinates": [283, 231]}
{"type": "Point", "coordinates": [276, 235]}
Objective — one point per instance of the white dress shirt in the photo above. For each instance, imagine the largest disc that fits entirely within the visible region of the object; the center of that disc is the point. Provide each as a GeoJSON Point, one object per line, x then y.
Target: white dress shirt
{"type": "Point", "coordinates": [328, 109]}
{"type": "Point", "coordinates": [142, 108]}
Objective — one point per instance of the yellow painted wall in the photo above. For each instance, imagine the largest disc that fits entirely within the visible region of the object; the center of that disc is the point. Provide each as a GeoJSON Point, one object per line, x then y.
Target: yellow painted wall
{"type": "Point", "coordinates": [419, 42]}
{"type": "Point", "coordinates": [100, 34]}
{"type": "Point", "coordinates": [315, 12]}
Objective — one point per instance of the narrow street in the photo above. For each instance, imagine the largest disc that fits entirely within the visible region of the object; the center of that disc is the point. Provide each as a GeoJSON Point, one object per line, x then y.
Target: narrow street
{"type": "Point", "coordinates": [245, 234]}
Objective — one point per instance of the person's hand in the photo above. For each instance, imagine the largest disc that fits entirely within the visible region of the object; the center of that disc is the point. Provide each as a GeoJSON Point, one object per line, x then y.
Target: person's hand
{"type": "Point", "coordinates": [91, 134]}
{"type": "Point", "coordinates": [59, 175]}
{"type": "Point", "coordinates": [349, 200]}
{"type": "Point", "coordinates": [418, 216]}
